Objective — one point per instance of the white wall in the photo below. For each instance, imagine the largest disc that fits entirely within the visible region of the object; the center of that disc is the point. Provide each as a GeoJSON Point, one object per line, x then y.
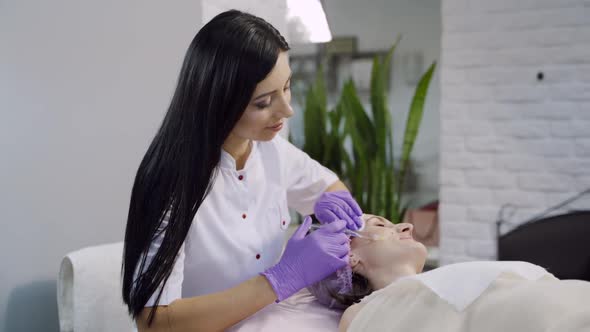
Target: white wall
{"type": "Point", "coordinates": [507, 137]}
{"type": "Point", "coordinates": [376, 24]}
{"type": "Point", "coordinates": [83, 87]}
{"type": "Point", "coordinates": [273, 11]}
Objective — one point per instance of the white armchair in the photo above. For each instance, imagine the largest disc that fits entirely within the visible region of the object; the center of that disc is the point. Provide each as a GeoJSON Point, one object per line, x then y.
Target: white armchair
{"type": "Point", "coordinates": [89, 291]}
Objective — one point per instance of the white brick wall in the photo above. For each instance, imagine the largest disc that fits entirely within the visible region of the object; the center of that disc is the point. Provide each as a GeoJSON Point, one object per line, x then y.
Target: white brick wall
{"type": "Point", "coordinates": [507, 137]}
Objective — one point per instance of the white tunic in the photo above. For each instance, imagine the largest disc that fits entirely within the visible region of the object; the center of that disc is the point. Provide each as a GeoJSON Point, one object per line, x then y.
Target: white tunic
{"type": "Point", "coordinates": [239, 230]}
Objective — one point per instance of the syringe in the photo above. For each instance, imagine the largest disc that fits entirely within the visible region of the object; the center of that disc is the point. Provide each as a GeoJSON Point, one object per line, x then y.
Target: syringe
{"type": "Point", "coordinates": [351, 233]}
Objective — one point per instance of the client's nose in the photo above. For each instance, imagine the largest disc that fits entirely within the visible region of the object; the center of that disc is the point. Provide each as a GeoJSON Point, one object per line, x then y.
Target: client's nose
{"type": "Point", "coordinates": [404, 227]}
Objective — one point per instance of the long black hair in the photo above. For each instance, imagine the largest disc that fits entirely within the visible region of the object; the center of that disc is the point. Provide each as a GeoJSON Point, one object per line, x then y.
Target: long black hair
{"type": "Point", "coordinates": [225, 61]}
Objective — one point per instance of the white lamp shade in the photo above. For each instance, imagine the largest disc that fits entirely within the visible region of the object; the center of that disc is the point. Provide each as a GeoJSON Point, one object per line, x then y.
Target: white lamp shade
{"type": "Point", "coordinates": [306, 22]}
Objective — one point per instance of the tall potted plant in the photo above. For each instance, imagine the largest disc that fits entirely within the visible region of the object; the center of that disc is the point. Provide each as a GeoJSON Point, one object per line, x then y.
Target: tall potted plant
{"type": "Point", "coordinates": [369, 168]}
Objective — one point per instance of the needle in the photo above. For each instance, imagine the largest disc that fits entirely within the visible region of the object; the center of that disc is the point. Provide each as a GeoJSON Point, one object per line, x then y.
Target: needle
{"type": "Point", "coordinates": [349, 232]}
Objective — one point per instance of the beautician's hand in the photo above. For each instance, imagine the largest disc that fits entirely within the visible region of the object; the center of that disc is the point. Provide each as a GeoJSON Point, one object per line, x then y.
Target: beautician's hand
{"type": "Point", "coordinates": [309, 259]}
{"type": "Point", "coordinates": [339, 205]}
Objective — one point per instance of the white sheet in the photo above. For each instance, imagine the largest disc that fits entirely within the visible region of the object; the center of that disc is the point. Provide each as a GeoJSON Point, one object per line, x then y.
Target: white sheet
{"type": "Point", "coordinates": [89, 299]}
{"type": "Point", "coordinates": [475, 278]}
{"type": "Point", "coordinates": [299, 313]}
{"type": "Point", "coordinates": [510, 303]}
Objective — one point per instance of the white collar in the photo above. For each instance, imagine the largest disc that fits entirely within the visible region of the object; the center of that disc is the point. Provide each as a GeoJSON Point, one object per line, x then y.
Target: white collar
{"type": "Point", "coordinates": [228, 162]}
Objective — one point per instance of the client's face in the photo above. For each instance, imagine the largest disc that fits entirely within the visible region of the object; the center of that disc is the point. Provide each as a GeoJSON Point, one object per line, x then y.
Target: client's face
{"type": "Point", "coordinates": [392, 246]}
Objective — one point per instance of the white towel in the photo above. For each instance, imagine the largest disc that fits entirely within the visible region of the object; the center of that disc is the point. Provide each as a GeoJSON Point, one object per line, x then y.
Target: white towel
{"type": "Point", "coordinates": [89, 291]}
{"type": "Point", "coordinates": [462, 283]}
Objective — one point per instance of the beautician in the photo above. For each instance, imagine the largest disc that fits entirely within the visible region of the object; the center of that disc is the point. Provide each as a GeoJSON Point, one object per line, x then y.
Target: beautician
{"type": "Point", "coordinates": [209, 207]}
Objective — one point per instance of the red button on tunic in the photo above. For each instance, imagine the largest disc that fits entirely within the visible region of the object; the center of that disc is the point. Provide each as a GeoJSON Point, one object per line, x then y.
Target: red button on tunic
{"type": "Point", "coordinates": [284, 222]}
{"type": "Point", "coordinates": [257, 256]}
{"type": "Point", "coordinates": [244, 216]}
{"type": "Point", "coordinates": [241, 177]}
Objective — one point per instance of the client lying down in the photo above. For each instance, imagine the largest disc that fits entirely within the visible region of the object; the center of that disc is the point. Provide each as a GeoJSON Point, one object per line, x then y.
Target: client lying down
{"type": "Point", "coordinates": [384, 289]}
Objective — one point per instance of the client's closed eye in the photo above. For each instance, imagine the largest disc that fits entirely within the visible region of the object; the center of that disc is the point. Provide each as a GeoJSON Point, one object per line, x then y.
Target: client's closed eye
{"type": "Point", "coordinates": [376, 221]}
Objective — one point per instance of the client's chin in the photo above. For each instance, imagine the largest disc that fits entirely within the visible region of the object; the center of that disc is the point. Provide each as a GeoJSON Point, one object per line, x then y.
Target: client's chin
{"type": "Point", "coordinates": [420, 254]}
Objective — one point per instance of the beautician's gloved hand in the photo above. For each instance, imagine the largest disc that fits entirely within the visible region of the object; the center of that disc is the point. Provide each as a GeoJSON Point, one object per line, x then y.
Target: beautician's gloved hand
{"type": "Point", "coordinates": [309, 259]}
{"type": "Point", "coordinates": [339, 205]}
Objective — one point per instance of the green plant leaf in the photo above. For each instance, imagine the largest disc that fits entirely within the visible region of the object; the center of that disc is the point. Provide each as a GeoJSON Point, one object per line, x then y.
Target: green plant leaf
{"type": "Point", "coordinates": [378, 96]}
{"type": "Point", "coordinates": [311, 127]}
{"type": "Point", "coordinates": [359, 126]}
{"type": "Point", "coordinates": [314, 118]}
{"type": "Point", "coordinates": [413, 123]}
{"type": "Point", "coordinates": [380, 74]}
{"type": "Point", "coordinates": [367, 165]}
{"type": "Point", "coordinates": [389, 121]}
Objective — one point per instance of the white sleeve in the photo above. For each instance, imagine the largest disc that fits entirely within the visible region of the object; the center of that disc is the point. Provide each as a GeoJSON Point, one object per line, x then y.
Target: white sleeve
{"type": "Point", "coordinates": [305, 178]}
{"type": "Point", "coordinates": [173, 288]}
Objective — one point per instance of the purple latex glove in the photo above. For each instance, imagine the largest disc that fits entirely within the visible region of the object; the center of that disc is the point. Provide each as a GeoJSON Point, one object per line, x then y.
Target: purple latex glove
{"type": "Point", "coordinates": [309, 259]}
{"type": "Point", "coordinates": [339, 205]}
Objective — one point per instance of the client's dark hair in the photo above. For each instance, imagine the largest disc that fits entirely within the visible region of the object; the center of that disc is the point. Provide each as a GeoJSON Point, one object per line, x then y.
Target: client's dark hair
{"type": "Point", "coordinates": [328, 291]}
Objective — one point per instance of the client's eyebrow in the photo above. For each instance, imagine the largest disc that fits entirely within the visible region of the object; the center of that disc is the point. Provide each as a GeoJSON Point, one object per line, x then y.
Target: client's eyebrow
{"type": "Point", "coordinates": [378, 217]}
